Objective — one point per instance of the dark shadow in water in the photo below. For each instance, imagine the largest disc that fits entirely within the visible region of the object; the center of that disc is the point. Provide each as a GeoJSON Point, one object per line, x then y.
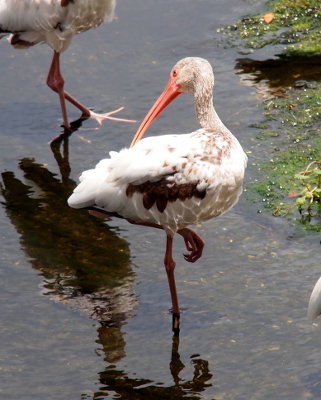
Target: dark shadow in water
{"type": "Point", "coordinates": [74, 126]}
{"type": "Point", "coordinates": [274, 75]}
{"type": "Point", "coordinates": [56, 237]}
{"type": "Point", "coordinates": [118, 383]}
{"type": "Point", "coordinates": [83, 262]}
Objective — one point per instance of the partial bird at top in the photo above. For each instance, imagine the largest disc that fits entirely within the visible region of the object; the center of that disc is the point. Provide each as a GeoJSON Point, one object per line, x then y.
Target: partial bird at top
{"type": "Point", "coordinates": [314, 308]}
{"type": "Point", "coordinates": [55, 22]}
{"type": "Point", "coordinates": [171, 181]}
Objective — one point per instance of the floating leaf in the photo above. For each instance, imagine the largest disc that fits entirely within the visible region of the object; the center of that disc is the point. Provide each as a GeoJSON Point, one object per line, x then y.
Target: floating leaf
{"type": "Point", "coordinates": [269, 17]}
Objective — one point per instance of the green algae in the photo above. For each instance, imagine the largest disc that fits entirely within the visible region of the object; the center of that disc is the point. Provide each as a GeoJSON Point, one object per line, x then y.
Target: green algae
{"type": "Point", "coordinates": [291, 177]}
{"type": "Point", "coordinates": [298, 109]}
{"type": "Point", "coordinates": [296, 27]}
{"type": "Point", "coordinates": [288, 169]}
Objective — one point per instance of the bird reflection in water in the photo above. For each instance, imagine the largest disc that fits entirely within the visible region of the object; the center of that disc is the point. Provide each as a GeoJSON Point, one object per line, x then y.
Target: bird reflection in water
{"type": "Point", "coordinates": [119, 383]}
{"type": "Point", "coordinates": [93, 278]}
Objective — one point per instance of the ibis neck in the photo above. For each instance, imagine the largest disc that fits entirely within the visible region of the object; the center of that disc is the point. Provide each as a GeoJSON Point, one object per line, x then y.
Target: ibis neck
{"type": "Point", "coordinates": [205, 113]}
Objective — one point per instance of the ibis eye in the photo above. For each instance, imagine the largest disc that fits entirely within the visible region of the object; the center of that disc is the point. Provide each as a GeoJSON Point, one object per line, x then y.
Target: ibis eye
{"type": "Point", "coordinates": [175, 72]}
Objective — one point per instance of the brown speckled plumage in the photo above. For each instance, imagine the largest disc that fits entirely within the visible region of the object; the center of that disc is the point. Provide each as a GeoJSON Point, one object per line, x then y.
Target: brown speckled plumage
{"type": "Point", "coordinates": [164, 191]}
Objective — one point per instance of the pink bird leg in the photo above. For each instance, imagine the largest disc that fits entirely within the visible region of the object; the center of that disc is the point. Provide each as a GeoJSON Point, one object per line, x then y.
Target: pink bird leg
{"type": "Point", "coordinates": [56, 82]}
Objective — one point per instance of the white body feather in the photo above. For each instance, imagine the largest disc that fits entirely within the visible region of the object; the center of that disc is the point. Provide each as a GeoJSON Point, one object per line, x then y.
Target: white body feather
{"type": "Point", "coordinates": [203, 158]}
{"type": "Point", "coordinates": [314, 309]}
{"type": "Point", "coordinates": [47, 21]}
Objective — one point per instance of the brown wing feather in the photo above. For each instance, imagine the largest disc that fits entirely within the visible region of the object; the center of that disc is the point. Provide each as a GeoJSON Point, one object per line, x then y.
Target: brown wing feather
{"type": "Point", "coordinates": [164, 191]}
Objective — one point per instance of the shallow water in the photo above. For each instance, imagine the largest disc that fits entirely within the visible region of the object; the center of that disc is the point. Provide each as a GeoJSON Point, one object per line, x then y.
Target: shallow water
{"type": "Point", "coordinates": [84, 304]}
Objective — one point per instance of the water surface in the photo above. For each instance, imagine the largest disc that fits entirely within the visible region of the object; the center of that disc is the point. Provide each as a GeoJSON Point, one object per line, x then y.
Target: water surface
{"type": "Point", "coordinates": [84, 304]}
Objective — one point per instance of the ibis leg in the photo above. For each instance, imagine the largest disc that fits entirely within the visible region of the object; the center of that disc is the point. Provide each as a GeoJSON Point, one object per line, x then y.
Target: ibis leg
{"type": "Point", "coordinates": [168, 259]}
{"type": "Point", "coordinates": [170, 266]}
{"type": "Point", "coordinates": [56, 82]}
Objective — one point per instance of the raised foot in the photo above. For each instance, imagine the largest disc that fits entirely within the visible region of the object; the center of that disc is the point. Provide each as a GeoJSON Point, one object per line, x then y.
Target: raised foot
{"type": "Point", "coordinates": [194, 244]}
{"type": "Point", "coordinates": [101, 117]}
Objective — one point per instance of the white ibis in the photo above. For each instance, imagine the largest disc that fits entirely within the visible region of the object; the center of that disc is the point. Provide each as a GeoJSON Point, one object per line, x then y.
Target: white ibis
{"type": "Point", "coordinates": [55, 22]}
{"type": "Point", "coordinates": [171, 181]}
{"type": "Point", "coordinates": [314, 308]}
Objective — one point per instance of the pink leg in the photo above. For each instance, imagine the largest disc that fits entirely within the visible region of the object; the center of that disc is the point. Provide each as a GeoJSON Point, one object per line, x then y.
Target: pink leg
{"type": "Point", "coordinates": [168, 261]}
{"type": "Point", "coordinates": [194, 243]}
{"type": "Point", "coordinates": [56, 82]}
{"type": "Point", "coordinates": [170, 266]}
